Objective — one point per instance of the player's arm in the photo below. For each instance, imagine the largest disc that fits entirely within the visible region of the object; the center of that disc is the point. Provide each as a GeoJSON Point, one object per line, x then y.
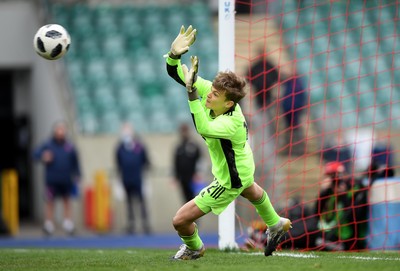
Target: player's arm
{"type": "Point", "coordinates": [174, 69]}
{"type": "Point", "coordinates": [179, 46]}
{"type": "Point", "coordinates": [222, 127]}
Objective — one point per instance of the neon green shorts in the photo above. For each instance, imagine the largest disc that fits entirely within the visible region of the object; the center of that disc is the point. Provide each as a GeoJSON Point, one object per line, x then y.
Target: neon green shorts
{"type": "Point", "coordinates": [215, 198]}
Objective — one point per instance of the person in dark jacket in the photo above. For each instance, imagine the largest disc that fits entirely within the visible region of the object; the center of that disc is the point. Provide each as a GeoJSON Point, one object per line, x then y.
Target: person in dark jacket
{"type": "Point", "coordinates": [293, 101]}
{"type": "Point", "coordinates": [62, 172]}
{"type": "Point", "coordinates": [132, 160]}
{"type": "Point", "coordinates": [186, 158]}
{"type": "Point", "coordinates": [263, 76]}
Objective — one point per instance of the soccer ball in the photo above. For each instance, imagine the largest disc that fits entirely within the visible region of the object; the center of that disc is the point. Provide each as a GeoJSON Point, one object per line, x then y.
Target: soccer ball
{"type": "Point", "coordinates": [51, 41]}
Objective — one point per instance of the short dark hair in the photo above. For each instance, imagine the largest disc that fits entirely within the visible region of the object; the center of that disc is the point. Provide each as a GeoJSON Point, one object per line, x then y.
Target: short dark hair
{"type": "Point", "coordinates": [234, 86]}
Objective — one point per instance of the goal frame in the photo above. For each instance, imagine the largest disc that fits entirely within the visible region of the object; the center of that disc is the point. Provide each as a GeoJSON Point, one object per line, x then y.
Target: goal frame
{"type": "Point", "coordinates": [226, 61]}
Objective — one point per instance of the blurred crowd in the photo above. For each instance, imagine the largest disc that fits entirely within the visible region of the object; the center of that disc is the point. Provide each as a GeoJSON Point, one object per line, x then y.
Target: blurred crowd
{"type": "Point", "coordinates": [338, 218]}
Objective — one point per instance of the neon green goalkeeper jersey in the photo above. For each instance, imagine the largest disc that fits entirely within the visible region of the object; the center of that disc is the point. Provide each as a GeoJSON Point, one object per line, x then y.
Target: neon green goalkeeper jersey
{"type": "Point", "coordinates": [225, 135]}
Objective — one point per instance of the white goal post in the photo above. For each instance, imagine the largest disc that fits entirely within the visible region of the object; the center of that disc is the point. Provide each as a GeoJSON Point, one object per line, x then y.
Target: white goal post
{"type": "Point", "coordinates": [226, 61]}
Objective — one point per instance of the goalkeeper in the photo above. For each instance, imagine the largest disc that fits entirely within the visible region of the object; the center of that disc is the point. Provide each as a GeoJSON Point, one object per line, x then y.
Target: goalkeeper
{"type": "Point", "coordinates": [219, 120]}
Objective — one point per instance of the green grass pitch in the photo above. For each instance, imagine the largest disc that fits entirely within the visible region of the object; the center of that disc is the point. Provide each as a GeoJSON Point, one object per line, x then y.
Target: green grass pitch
{"type": "Point", "coordinates": [159, 259]}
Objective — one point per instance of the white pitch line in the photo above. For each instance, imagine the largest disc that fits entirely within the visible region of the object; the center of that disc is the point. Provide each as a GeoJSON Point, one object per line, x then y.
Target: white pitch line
{"type": "Point", "coordinates": [369, 258]}
{"type": "Point", "coordinates": [295, 255]}
{"type": "Point", "coordinates": [300, 255]}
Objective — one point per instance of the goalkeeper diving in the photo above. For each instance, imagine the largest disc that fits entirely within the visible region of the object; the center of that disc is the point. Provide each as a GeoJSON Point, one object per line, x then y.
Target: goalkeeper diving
{"type": "Point", "coordinates": [218, 118]}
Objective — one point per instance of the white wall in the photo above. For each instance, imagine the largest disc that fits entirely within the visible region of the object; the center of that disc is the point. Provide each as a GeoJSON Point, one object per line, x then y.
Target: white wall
{"type": "Point", "coordinates": [17, 25]}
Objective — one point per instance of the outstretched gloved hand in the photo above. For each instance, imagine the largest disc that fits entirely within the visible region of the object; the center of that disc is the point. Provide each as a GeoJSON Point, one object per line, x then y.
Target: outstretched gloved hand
{"type": "Point", "coordinates": [183, 41]}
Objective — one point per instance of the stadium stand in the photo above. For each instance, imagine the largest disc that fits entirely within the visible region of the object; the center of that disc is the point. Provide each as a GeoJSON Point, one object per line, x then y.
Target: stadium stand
{"type": "Point", "coordinates": [116, 67]}
{"type": "Point", "coordinates": [347, 50]}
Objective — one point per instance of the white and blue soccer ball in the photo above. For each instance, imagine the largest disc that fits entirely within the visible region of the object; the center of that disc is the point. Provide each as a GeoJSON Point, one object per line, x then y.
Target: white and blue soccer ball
{"type": "Point", "coordinates": [51, 41]}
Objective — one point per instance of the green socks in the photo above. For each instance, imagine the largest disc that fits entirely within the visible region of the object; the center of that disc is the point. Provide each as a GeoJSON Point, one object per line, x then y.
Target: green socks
{"type": "Point", "coordinates": [266, 210]}
{"type": "Point", "coordinates": [193, 241]}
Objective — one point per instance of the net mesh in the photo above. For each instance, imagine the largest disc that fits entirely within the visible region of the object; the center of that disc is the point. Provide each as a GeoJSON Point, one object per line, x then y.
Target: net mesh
{"type": "Point", "coordinates": [323, 115]}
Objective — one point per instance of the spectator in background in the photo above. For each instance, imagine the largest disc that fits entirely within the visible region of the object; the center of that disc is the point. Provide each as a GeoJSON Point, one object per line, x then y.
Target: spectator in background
{"type": "Point", "coordinates": [377, 171]}
{"type": "Point", "coordinates": [336, 150]}
{"type": "Point", "coordinates": [263, 75]}
{"type": "Point", "coordinates": [382, 154]}
{"type": "Point", "coordinates": [341, 207]}
{"type": "Point", "coordinates": [132, 160]}
{"type": "Point", "coordinates": [186, 158]}
{"type": "Point", "coordinates": [293, 100]}
{"type": "Point", "coordinates": [62, 172]}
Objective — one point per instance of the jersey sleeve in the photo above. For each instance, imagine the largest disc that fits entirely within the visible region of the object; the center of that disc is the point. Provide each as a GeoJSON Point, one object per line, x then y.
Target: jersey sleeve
{"type": "Point", "coordinates": [221, 127]}
{"type": "Point", "coordinates": [174, 69]}
{"type": "Point", "coordinates": [38, 152]}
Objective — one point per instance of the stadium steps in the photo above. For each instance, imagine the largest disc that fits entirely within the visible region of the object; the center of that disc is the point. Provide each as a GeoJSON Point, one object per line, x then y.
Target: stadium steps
{"type": "Point", "coordinates": [263, 34]}
{"type": "Point", "coordinates": [359, 49]}
{"type": "Point", "coordinates": [302, 173]}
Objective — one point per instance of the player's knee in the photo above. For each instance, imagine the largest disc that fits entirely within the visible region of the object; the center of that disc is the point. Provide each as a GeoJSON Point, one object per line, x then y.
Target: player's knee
{"type": "Point", "coordinates": [178, 222]}
{"type": "Point", "coordinates": [175, 221]}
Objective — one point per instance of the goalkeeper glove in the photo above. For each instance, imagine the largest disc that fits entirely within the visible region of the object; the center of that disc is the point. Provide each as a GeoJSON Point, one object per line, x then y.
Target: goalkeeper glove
{"type": "Point", "coordinates": [191, 75]}
{"type": "Point", "coordinates": [183, 41]}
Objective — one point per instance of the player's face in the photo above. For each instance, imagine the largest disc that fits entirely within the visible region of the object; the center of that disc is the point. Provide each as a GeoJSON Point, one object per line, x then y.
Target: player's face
{"type": "Point", "coordinates": [217, 102]}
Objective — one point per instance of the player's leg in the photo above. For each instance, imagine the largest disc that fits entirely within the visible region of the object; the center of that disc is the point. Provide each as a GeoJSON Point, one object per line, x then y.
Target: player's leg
{"type": "Point", "coordinates": [183, 223]}
{"type": "Point", "coordinates": [213, 198]}
{"type": "Point", "coordinates": [259, 198]}
{"type": "Point", "coordinates": [277, 226]}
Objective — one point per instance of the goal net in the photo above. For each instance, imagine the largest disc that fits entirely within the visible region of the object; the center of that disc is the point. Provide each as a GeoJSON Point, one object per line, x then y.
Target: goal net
{"type": "Point", "coordinates": [323, 114]}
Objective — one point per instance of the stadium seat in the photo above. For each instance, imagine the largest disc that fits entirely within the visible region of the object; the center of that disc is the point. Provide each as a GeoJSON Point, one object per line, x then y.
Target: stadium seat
{"type": "Point", "coordinates": [138, 119]}
{"type": "Point", "coordinates": [110, 122]}
{"type": "Point", "coordinates": [161, 122]}
{"type": "Point", "coordinates": [84, 106]}
{"type": "Point", "coordinates": [120, 71]}
{"type": "Point", "coordinates": [360, 60]}
{"type": "Point", "coordinates": [75, 69]}
{"type": "Point", "coordinates": [104, 98]}
{"type": "Point", "coordinates": [351, 54]}
{"type": "Point", "coordinates": [128, 99]}
{"type": "Point", "coordinates": [81, 92]}
{"type": "Point", "coordinates": [113, 47]}
{"type": "Point", "coordinates": [88, 124]}
{"type": "Point", "coordinates": [96, 71]}
{"type": "Point", "coordinates": [88, 49]}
